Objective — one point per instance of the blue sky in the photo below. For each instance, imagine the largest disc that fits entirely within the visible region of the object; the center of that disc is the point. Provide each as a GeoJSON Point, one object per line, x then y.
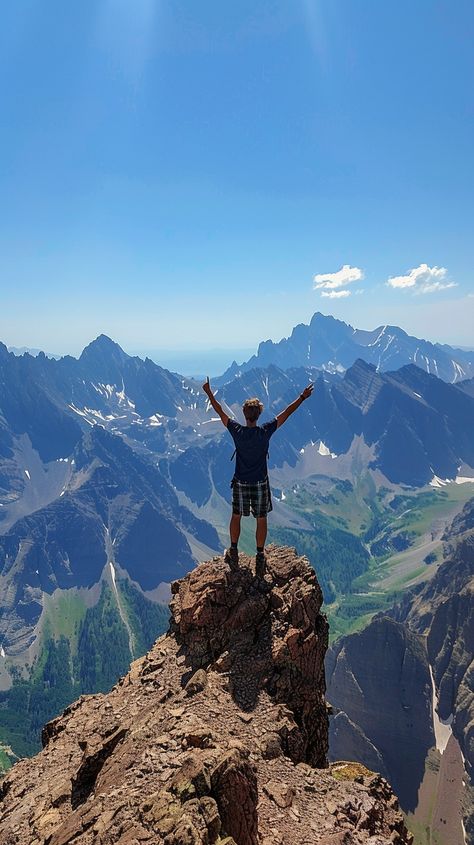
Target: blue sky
{"type": "Point", "coordinates": [175, 174]}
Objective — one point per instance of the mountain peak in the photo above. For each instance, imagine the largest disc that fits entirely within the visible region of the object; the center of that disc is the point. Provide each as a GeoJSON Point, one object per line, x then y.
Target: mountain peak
{"type": "Point", "coordinates": [205, 728]}
{"type": "Point", "coordinates": [103, 346]}
{"type": "Point", "coordinates": [319, 318]}
{"type": "Point", "coordinates": [360, 366]}
{"type": "Point", "coordinates": [333, 345]}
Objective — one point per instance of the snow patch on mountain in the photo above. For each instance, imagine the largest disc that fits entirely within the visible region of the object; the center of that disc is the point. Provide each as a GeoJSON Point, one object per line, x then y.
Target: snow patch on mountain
{"type": "Point", "coordinates": [439, 482]}
{"type": "Point", "coordinates": [80, 413]}
{"type": "Point", "coordinates": [123, 398]}
{"type": "Point", "coordinates": [459, 373]}
{"type": "Point", "coordinates": [442, 482]}
{"type": "Point", "coordinates": [155, 419]}
{"type": "Point", "coordinates": [442, 727]}
{"type": "Point", "coordinates": [106, 390]}
{"type": "Point", "coordinates": [333, 368]}
{"type": "Point", "coordinates": [381, 333]}
{"type": "Point", "coordinates": [325, 451]}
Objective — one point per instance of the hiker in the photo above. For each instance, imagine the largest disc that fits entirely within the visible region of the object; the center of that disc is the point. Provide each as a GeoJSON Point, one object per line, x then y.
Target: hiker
{"type": "Point", "coordinates": [250, 484]}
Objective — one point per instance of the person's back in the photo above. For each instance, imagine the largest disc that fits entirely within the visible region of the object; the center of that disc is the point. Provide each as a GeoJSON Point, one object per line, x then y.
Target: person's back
{"type": "Point", "coordinates": [251, 447]}
{"type": "Point", "coordinates": [250, 484]}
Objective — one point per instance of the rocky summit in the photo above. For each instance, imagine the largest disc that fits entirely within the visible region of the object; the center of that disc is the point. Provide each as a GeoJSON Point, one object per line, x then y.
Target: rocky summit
{"type": "Point", "coordinates": [218, 735]}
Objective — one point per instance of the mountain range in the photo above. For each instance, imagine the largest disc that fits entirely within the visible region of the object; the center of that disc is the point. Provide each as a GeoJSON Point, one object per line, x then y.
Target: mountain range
{"type": "Point", "coordinates": [333, 346]}
{"type": "Point", "coordinates": [114, 480]}
{"type": "Point", "coordinates": [115, 509]}
{"type": "Point", "coordinates": [415, 428]}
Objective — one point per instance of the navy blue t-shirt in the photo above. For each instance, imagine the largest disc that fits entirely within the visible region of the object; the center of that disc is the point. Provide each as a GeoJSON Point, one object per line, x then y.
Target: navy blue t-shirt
{"type": "Point", "coordinates": [251, 443]}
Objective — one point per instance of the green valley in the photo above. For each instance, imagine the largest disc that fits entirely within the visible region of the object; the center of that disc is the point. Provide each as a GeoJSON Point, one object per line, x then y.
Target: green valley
{"type": "Point", "coordinates": [82, 650]}
{"type": "Point", "coordinates": [367, 545]}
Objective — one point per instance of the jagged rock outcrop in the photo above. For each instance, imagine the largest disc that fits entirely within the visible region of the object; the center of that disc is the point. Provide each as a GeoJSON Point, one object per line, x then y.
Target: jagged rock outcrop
{"type": "Point", "coordinates": [273, 641]}
{"type": "Point", "coordinates": [212, 737]}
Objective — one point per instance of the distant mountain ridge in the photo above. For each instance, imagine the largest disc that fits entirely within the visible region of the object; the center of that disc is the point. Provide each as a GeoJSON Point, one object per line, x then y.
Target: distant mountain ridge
{"type": "Point", "coordinates": [20, 350]}
{"type": "Point", "coordinates": [91, 532]}
{"type": "Point", "coordinates": [332, 345]}
{"type": "Point", "coordinates": [115, 508]}
{"type": "Point", "coordinates": [114, 480]}
{"type": "Point", "coordinates": [417, 428]}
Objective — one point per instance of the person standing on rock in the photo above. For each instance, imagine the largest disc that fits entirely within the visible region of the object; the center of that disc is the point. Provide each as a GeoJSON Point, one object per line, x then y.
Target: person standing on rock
{"type": "Point", "coordinates": [250, 484]}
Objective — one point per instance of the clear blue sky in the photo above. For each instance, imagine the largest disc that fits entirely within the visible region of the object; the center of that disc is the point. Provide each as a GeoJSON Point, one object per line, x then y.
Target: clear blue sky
{"type": "Point", "coordinates": [176, 173]}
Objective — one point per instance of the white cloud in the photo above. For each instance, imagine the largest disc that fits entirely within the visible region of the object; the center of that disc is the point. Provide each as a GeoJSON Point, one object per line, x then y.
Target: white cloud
{"type": "Point", "coordinates": [423, 279]}
{"type": "Point", "coordinates": [432, 286]}
{"type": "Point", "coordinates": [343, 277]}
{"type": "Point", "coordinates": [335, 294]}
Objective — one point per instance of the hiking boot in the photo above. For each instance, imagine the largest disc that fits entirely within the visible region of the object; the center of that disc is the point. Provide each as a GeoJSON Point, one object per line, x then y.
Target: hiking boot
{"type": "Point", "coordinates": [260, 561]}
{"type": "Point", "coordinates": [231, 556]}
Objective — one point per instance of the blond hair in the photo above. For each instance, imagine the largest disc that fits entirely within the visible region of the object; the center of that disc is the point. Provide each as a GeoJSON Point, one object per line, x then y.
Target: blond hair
{"type": "Point", "coordinates": [252, 409]}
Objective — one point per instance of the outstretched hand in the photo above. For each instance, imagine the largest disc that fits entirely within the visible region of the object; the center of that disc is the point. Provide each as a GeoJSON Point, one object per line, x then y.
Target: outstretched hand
{"type": "Point", "coordinates": [308, 391]}
{"type": "Point", "coordinates": [207, 387]}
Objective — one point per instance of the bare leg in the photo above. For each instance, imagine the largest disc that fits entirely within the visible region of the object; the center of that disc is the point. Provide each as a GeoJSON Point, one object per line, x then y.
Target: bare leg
{"type": "Point", "coordinates": [235, 527]}
{"type": "Point", "coordinates": [261, 531]}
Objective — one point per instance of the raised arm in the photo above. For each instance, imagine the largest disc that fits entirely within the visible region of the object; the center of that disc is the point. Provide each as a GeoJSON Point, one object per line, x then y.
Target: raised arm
{"type": "Point", "coordinates": [281, 418]}
{"type": "Point", "coordinates": [215, 404]}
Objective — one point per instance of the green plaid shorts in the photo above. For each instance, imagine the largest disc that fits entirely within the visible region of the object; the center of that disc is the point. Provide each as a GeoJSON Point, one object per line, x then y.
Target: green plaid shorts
{"type": "Point", "coordinates": [252, 496]}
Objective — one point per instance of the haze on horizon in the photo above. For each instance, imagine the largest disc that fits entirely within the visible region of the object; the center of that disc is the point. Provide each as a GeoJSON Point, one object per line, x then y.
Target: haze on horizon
{"type": "Point", "coordinates": [210, 176]}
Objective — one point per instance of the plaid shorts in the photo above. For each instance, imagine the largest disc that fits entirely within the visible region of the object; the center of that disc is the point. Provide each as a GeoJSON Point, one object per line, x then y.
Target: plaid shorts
{"type": "Point", "coordinates": [252, 496]}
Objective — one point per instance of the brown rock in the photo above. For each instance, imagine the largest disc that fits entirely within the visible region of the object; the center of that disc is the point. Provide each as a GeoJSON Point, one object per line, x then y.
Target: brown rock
{"type": "Point", "coordinates": [199, 823]}
{"type": "Point", "coordinates": [169, 766]}
{"type": "Point", "coordinates": [197, 682]}
{"type": "Point", "coordinates": [343, 838]}
{"type": "Point", "coordinates": [270, 746]}
{"type": "Point", "coordinates": [234, 785]}
{"type": "Point", "coordinates": [191, 780]}
{"type": "Point", "coordinates": [280, 793]}
{"type": "Point", "coordinates": [275, 641]}
{"type": "Point", "coordinates": [199, 738]}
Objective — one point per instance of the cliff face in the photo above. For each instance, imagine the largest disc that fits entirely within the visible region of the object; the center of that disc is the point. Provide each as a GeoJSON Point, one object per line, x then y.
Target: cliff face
{"type": "Point", "coordinates": [403, 688]}
{"type": "Point", "coordinates": [443, 612]}
{"type": "Point", "coordinates": [379, 686]}
{"type": "Point", "coordinates": [213, 737]}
